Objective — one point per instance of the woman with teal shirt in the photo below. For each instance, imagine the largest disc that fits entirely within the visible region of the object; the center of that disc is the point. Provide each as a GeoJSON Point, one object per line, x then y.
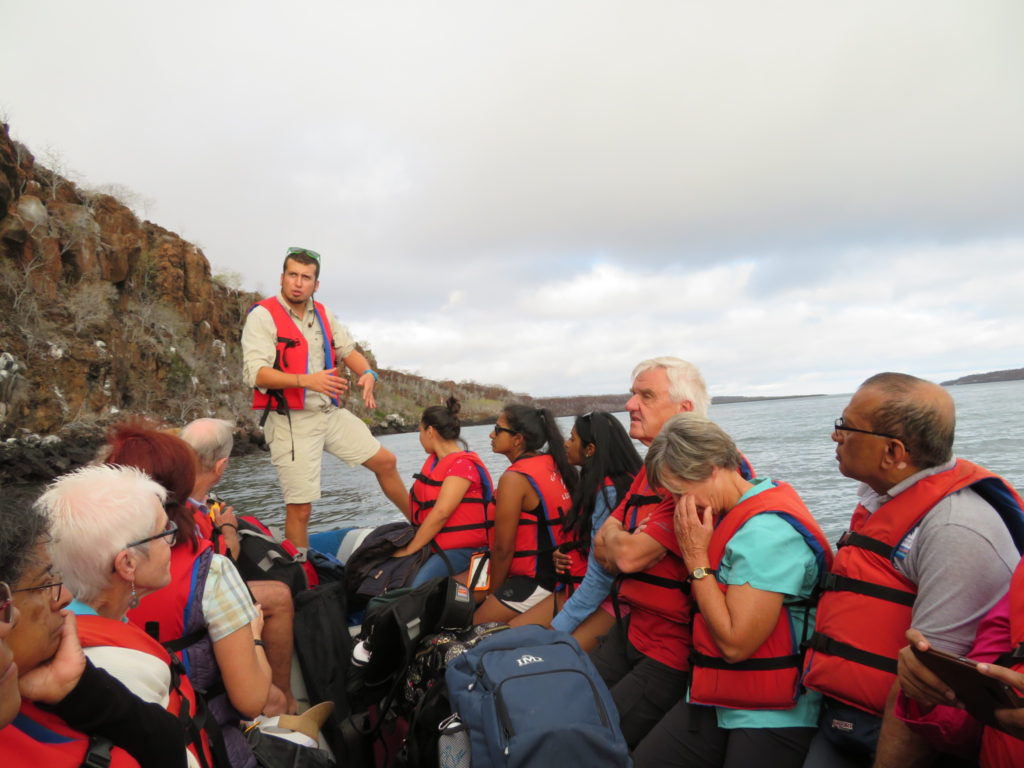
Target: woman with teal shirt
{"type": "Point", "coordinates": [754, 554]}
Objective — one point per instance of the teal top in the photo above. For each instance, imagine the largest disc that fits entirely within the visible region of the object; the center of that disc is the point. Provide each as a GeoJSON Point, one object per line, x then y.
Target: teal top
{"type": "Point", "coordinates": [770, 554]}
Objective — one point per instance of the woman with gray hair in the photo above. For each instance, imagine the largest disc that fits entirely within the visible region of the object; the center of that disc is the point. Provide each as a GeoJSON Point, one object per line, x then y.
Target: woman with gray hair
{"type": "Point", "coordinates": [111, 540]}
{"type": "Point", "coordinates": [755, 555]}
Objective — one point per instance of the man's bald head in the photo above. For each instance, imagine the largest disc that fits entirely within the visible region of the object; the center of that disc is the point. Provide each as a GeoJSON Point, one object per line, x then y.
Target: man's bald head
{"type": "Point", "coordinates": [920, 412]}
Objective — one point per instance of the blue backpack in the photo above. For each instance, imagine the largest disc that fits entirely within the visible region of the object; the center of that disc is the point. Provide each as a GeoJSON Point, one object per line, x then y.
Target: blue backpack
{"type": "Point", "coordinates": [530, 696]}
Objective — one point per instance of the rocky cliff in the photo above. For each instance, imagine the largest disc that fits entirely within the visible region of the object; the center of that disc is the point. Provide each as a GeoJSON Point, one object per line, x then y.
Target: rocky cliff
{"type": "Point", "coordinates": [107, 315]}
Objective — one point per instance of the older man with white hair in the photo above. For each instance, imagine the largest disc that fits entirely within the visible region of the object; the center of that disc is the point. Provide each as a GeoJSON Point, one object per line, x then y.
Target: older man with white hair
{"type": "Point", "coordinates": [646, 667]}
{"type": "Point", "coordinates": [212, 440]}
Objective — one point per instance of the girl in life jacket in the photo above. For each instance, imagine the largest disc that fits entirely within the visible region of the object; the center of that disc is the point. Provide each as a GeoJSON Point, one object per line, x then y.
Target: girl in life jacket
{"type": "Point", "coordinates": [452, 497]}
{"type": "Point", "coordinates": [533, 497]}
{"type": "Point", "coordinates": [600, 446]}
{"type": "Point", "coordinates": [754, 554]}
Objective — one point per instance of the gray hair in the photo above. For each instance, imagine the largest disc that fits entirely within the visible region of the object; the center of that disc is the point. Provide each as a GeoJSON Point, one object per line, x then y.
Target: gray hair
{"type": "Point", "coordinates": [919, 412]}
{"type": "Point", "coordinates": [212, 440]}
{"type": "Point", "coordinates": [689, 447]}
{"type": "Point", "coordinates": [685, 381]}
{"type": "Point", "coordinates": [21, 528]}
{"type": "Point", "coordinates": [94, 513]}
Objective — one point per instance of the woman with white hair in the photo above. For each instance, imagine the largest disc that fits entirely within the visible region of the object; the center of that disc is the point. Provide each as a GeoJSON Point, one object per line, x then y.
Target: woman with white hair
{"type": "Point", "coordinates": [755, 555]}
{"type": "Point", "coordinates": [111, 540]}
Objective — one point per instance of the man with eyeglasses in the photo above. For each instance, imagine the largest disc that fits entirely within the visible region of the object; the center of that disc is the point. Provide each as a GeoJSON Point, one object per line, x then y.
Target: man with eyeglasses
{"type": "Point", "coordinates": [291, 348]}
{"type": "Point", "coordinates": [932, 544]}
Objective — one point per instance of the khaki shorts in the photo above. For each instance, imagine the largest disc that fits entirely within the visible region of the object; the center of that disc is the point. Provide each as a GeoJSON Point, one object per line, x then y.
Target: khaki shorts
{"type": "Point", "coordinates": [335, 430]}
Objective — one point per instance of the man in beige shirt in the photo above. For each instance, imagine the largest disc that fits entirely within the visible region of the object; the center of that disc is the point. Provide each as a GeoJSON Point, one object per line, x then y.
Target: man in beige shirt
{"type": "Point", "coordinates": [291, 347]}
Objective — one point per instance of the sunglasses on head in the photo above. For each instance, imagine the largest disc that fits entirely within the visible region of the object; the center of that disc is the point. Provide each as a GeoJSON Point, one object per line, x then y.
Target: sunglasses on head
{"type": "Point", "coordinates": [303, 252]}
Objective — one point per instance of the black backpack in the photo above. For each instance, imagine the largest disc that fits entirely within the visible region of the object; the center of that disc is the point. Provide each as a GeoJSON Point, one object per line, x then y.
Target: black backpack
{"type": "Point", "coordinates": [323, 646]}
{"type": "Point", "coordinates": [371, 571]}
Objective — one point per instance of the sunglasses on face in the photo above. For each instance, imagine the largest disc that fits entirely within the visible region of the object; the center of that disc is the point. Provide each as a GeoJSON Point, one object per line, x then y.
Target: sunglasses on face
{"type": "Point", "coordinates": [498, 429]}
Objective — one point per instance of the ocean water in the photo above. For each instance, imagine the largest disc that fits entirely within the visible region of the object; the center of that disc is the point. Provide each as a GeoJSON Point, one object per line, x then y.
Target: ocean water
{"type": "Point", "coordinates": [786, 439]}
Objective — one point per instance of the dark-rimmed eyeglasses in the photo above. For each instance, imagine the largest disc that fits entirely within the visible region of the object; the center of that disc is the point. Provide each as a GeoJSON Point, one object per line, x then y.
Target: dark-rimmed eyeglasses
{"type": "Point", "coordinates": [498, 429]}
{"type": "Point", "coordinates": [840, 426]}
{"type": "Point", "coordinates": [6, 604]}
{"type": "Point", "coordinates": [303, 252]}
{"type": "Point", "coordinates": [170, 533]}
{"type": "Point", "coordinates": [55, 588]}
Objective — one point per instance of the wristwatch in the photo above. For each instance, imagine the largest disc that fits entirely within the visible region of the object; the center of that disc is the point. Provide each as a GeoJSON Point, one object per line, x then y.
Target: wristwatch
{"type": "Point", "coordinates": [700, 573]}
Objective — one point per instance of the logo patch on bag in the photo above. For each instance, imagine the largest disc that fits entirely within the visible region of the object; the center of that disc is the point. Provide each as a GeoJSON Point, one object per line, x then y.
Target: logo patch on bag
{"type": "Point", "coordinates": [522, 661]}
{"type": "Point", "coordinates": [842, 725]}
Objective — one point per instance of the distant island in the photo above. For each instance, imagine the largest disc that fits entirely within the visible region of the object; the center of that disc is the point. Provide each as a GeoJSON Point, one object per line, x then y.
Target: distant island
{"type": "Point", "coordinates": [570, 406]}
{"type": "Point", "coordinates": [1013, 374]}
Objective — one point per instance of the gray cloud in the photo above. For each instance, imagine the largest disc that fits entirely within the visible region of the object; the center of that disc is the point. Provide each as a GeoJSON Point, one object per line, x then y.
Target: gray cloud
{"type": "Point", "coordinates": [539, 195]}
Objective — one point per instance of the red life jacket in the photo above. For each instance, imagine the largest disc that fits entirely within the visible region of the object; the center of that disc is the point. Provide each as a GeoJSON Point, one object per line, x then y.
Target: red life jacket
{"type": "Point", "coordinates": [768, 679]}
{"type": "Point", "coordinates": [468, 524]}
{"type": "Point", "coordinates": [662, 588]}
{"type": "Point", "coordinates": [866, 606]}
{"type": "Point", "coordinates": [174, 615]}
{"type": "Point", "coordinates": [38, 739]}
{"type": "Point", "coordinates": [292, 352]}
{"type": "Point", "coordinates": [540, 529]}
{"type": "Point", "coordinates": [999, 749]}
{"type": "Point", "coordinates": [96, 631]}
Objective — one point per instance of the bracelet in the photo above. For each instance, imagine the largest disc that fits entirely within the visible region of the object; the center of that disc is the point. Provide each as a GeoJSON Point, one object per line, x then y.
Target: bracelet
{"type": "Point", "coordinates": [371, 372]}
{"type": "Point", "coordinates": [228, 525]}
{"type": "Point", "coordinates": [259, 643]}
{"type": "Point", "coordinates": [297, 384]}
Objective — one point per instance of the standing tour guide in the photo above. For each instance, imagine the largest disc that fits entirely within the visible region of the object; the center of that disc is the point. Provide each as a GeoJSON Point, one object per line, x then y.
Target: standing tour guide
{"type": "Point", "coordinates": [292, 347]}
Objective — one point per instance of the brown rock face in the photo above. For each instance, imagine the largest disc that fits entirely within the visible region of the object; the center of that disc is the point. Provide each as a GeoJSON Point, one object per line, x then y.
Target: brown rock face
{"type": "Point", "coordinates": [106, 314]}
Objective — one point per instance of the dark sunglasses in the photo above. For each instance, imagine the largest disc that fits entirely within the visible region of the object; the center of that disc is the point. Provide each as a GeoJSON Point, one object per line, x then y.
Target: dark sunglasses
{"type": "Point", "coordinates": [303, 252]}
{"type": "Point", "coordinates": [499, 429]}
{"type": "Point", "coordinates": [170, 533]}
{"type": "Point", "coordinates": [6, 604]}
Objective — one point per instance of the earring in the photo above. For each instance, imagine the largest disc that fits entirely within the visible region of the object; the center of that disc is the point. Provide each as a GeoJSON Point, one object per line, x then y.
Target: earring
{"type": "Point", "coordinates": [134, 602]}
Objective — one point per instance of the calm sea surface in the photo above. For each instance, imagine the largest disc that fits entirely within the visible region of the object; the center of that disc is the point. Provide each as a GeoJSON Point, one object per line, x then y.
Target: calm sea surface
{"type": "Point", "coordinates": [786, 439]}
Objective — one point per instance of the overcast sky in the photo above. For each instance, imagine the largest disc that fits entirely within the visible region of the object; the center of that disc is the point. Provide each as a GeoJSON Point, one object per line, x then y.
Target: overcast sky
{"type": "Point", "coordinates": [793, 195]}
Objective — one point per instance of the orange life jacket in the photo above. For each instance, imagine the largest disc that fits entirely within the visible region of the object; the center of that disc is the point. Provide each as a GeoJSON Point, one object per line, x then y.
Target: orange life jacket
{"type": "Point", "coordinates": [292, 352]}
{"type": "Point", "coordinates": [38, 739]}
{"type": "Point", "coordinates": [999, 749]}
{"type": "Point", "coordinates": [540, 529]}
{"type": "Point", "coordinates": [96, 631]}
{"type": "Point", "coordinates": [770, 678]}
{"type": "Point", "coordinates": [866, 606]}
{"type": "Point", "coordinates": [469, 523]}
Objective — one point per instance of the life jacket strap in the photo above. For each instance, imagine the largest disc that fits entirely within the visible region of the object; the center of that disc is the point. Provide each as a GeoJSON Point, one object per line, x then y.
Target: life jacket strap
{"type": "Point", "coordinates": [835, 583]}
{"type": "Point", "coordinates": [832, 647]}
{"type": "Point", "coordinates": [795, 660]}
{"type": "Point", "coordinates": [851, 539]}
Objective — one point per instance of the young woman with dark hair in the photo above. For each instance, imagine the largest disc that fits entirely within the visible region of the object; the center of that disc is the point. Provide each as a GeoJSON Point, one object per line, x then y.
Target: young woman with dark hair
{"type": "Point", "coordinates": [452, 498]}
{"type": "Point", "coordinates": [533, 496]}
{"type": "Point", "coordinates": [599, 445]}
